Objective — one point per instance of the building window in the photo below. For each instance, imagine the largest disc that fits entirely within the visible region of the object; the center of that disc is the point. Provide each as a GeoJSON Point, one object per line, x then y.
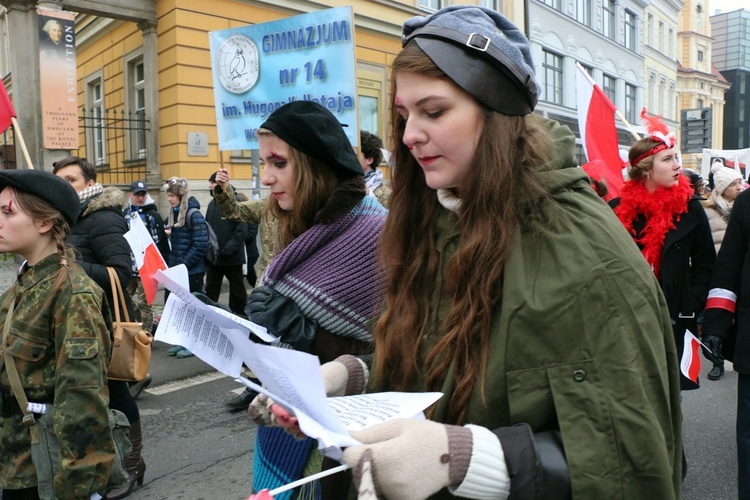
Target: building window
{"type": "Point", "coordinates": [650, 30]}
{"type": "Point", "coordinates": [368, 114]}
{"type": "Point", "coordinates": [609, 86]}
{"type": "Point", "coordinates": [96, 146]}
{"type": "Point", "coordinates": [553, 77]}
{"type": "Point", "coordinates": [490, 4]}
{"type": "Point", "coordinates": [661, 37]}
{"type": "Point", "coordinates": [583, 12]}
{"type": "Point", "coordinates": [671, 43]}
{"type": "Point", "coordinates": [608, 19]}
{"type": "Point", "coordinates": [700, 56]}
{"type": "Point", "coordinates": [431, 4]}
{"type": "Point", "coordinates": [630, 30]}
{"type": "Point", "coordinates": [136, 109]}
{"type": "Point", "coordinates": [700, 103]}
{"type": "Point", "coordinates": [630, 109]}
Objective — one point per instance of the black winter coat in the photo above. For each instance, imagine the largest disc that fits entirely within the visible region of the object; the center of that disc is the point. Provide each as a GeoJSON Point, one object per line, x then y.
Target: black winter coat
{"type": "Point", "coordinates": [686, 265]}
{"type": "Point", "coordinates": [231, 235]}
{"type": "Point", "coordinates": [732, 273]}
{"type": "Point", "coordinates": [99, 241]}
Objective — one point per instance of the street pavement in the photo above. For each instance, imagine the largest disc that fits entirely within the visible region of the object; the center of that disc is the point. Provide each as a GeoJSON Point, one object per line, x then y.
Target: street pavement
{"type": "Point", "coordinates": [196, 449]}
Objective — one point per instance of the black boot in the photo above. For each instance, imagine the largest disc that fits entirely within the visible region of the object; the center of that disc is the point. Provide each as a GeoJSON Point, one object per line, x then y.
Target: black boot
{"type": "Point", "coordinates": [716, 372]}
{"type": "Point", "coordinates": [133, 464]}
{"type": "Point", "coordinates": [137, 388]}
{"type": "Point", "coordinates": [242, 401]}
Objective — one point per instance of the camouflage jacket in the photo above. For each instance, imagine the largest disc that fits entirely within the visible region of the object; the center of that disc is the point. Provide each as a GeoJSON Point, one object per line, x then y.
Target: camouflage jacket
{"type": "Point", "coordinates": [60, 341]}
{"type": "Point", "coordinates": [249, 211]}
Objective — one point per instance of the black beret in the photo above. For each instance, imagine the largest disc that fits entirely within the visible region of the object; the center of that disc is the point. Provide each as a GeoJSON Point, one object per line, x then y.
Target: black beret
{"type": "Point", "coordinates": [483, 52]}
{"type": "Point", "coordinates": [47, 186]}
{"type": "Point", "coordinates": [312, 129]}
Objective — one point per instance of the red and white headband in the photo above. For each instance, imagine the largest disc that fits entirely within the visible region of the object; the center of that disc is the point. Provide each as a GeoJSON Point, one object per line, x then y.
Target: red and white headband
{"type": "Point", "coordinates": [658, 132]}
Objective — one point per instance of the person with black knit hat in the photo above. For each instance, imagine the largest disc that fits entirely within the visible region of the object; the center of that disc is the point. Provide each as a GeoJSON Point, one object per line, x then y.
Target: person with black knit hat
{"type": "Point", "coordinates": [188, 238]}
{"type": "Point", "coordinates": [511, 289]}
{"type": "Point", "coordinates": [315, 294]}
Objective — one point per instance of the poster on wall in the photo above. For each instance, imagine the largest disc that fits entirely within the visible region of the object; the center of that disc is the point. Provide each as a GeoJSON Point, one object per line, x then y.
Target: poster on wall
{"type": "Point", "coordinates": [737, 159]}
{"type": "Point", "coordinates": [58, 79]}
{"type": "Point", "coordinates": [258, 68]}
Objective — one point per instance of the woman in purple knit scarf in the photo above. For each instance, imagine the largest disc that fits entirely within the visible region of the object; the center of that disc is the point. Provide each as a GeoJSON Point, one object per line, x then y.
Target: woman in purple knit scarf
{"type": "Point", "coordinates": [316, 295]}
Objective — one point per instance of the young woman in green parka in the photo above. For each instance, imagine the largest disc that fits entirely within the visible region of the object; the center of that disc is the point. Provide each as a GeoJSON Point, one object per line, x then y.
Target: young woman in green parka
{"type": "Point", "coordinates": [513, 290]}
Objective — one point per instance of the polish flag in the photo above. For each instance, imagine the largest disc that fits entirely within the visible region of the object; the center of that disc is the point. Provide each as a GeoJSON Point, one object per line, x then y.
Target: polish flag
{"type": "Point", "coordinates": [596, 122]}
{"type": "Point", "coordinates": [7, 113]}
{"type": "Point", "coordinates": [148, 259]}
{"type": "Point", "coordinates": [721, 298]}
{"type": "Point", "coordinates": [691, 360]}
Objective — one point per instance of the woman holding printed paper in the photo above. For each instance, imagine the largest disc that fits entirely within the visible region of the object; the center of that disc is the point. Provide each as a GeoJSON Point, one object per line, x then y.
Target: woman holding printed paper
{"type": "Point", "coordinates": [316, 295]}
{"type": "Point", "coordinates": [513, 290]}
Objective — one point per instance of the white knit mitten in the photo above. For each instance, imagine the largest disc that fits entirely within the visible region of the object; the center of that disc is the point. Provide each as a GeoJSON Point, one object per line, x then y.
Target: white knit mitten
{"type": "Point", "coordinates": [344, 376]}
{"type": "Point", "coordinates": [259, 411]}
{"type": "Point", "coordinates": [410, 459]}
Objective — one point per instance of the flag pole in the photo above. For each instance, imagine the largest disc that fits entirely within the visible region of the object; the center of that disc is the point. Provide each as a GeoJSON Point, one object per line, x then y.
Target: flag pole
{"type": "Point", "coordinates": [617, 111]}
{"type": "Point", "coordinates": [19, 136]}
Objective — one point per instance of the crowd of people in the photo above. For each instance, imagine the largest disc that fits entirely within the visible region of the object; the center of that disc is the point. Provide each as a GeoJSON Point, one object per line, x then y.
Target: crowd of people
{"type": "Point", "coordinates": [552, 322]}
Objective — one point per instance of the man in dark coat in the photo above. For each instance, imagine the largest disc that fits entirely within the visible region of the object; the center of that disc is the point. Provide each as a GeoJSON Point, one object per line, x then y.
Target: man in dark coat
{"type": "Point", "coordinates": [231, 235]}
{"type": "Point", "coordinates": [727, 308]}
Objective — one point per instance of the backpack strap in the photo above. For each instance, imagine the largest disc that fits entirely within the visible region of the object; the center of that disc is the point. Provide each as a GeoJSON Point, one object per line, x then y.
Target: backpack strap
{"type": "Point", "coordinates": [189, 217]}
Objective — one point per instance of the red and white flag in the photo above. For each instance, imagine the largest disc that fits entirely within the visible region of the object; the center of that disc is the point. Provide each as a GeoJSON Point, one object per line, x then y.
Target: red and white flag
{"type": "Point", "coordinates": [596, 122]}
{"type": "Point", "coordinates": [148, 259]}
{"type": "Point", "coordinates": [7, 113]}
{"type": "Point", "coordinates": [691, 360]}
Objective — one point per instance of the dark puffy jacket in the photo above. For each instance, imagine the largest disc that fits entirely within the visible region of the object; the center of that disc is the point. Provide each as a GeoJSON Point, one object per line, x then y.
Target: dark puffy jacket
{"type": "Point", "coordinates": [189, 242]}
{"type": "Point", "coordinates": [98, 239]}
{"type": "Point", "coordinates": [231, 235]}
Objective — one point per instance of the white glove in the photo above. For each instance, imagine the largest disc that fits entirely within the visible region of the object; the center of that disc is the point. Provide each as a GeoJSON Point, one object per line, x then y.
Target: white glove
{"type": "Point", "coordinates": [410, 459]}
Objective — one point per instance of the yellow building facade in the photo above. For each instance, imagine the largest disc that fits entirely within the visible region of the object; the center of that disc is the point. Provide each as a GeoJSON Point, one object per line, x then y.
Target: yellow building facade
{"type": "Point", "coordinates": [699, 84]}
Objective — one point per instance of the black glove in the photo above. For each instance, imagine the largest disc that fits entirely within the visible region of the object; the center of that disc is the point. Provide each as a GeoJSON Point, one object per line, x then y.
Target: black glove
{"type": "Point", "coordinates": [282, 317]}
{"type": "Point", "coordinates": [204, 298]}
{"type": "Point", "coordinates": [535, 462]}
{"type": "Point", "coordinates": [712, 343]}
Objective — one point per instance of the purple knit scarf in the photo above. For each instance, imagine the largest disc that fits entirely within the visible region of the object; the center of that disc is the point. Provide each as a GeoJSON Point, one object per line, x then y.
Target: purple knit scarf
{"type": "Point", "coordinates": [323, 272]}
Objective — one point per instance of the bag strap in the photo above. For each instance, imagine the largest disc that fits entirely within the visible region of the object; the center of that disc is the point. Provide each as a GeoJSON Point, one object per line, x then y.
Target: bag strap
{"type": "Point", "coordinates": [15, 379]}
{"type": "Point", "coordinates": [114, 282]}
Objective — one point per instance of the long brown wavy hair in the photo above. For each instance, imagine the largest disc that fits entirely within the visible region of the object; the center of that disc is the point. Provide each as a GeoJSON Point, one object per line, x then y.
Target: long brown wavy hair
{"type": "Point", "coordinates": [314, 182]}
{"type": "Point", "coordinates": [501, 192]}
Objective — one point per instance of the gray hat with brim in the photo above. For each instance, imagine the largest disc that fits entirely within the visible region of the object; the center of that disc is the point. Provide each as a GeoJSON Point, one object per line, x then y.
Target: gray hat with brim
{"type": "Point", "coordinates": [47, 186]}
{"type": "Point", "coordinates": [482, 52]}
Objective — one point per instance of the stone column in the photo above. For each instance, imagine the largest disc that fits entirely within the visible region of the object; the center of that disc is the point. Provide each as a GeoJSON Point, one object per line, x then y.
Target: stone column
{"type": "Point", "coordinates": [151, 71]}
{"type": "Point", "coordinates": [23, 29]}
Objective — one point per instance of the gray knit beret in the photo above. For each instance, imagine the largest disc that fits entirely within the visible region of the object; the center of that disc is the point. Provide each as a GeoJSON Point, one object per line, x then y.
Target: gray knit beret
{"type": "Point", "coordinates": [483, 52]}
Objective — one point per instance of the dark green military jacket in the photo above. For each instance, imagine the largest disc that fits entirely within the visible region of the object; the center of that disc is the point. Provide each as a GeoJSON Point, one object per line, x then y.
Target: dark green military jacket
{"type": "Point", "coordinates": [581, 342]}
{"type": "Point", "coordinates": [60, 341]}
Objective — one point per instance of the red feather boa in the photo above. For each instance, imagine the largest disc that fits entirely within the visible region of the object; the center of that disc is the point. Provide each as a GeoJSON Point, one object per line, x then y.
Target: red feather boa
{"type": "Point", "coordinates": [662, 209]}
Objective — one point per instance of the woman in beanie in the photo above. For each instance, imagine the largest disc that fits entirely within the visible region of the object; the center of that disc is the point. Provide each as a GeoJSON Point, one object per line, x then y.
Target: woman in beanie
{"type": "Point", "coordinates": [188, 237]}
{"type": "Point", "coordinates": [727, 184]}
{"type": "Point", "coordinates": [513, 290]}
{"type": "Point", "coordinates": [316, 294]}
{"type": "Point", "coordinates": [55, 349]}
{"type": "Point", "coordinates": [99, 242]}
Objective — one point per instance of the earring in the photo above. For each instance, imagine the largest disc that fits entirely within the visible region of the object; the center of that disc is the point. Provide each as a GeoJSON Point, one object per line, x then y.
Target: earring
{"type": "Point", "coordinates": [648, 177]}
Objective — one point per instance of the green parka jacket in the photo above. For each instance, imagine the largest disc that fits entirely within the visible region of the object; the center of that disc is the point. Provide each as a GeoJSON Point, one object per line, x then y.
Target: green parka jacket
{"type": "Point", "coordinates": [581, 343]}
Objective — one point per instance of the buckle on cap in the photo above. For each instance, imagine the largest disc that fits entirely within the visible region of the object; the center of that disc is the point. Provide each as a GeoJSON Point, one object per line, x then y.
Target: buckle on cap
{"type": "Point", "coordinates": [480, 44]}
